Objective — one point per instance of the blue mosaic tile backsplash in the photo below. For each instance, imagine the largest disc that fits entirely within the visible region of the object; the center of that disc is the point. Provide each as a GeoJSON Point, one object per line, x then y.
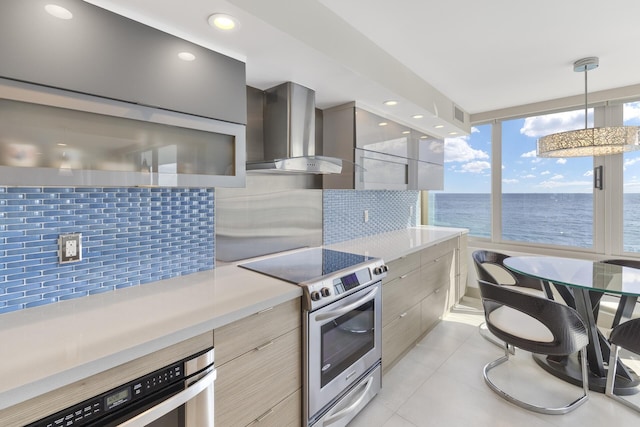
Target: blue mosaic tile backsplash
{"type": "Point", "coordinates": [129, 236]}
{"type": "Point", "coordinates": [389, 210]}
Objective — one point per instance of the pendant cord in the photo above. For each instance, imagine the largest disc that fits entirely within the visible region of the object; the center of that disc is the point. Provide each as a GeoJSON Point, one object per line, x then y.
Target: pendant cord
{"type": "Point", "coordinates": [586, 104]}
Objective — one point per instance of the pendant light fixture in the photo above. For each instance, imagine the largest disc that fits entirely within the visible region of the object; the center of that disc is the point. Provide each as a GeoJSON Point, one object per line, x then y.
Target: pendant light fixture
{"type": "Point", "coordinates": [596, 141]}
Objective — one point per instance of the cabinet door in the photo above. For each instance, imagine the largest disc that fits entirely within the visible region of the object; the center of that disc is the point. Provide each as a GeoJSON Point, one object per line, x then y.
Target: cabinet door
{"type": "Point", "coordinates": [285, 414]}
{"type": "Point", "coordinates": [248, 386]}
{"type": "Point", "coordinates": [101, 53]}
{"type": "Point", "coordinates": [428, 176]}
{"type": "Point", "coordinates": [376, 133]}
{"type": "Point", "coordinates": [399, 335]}
{"type": "Point", "coordinates": [433, 307]}
{"type": "Point", "coordinates": [379, 171]}
{"type": "Point", "coordinates": [239, 337]}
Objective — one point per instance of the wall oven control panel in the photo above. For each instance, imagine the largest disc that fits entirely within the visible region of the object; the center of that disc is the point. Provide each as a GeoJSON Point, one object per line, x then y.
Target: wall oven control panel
{"type": "Point", "coordinates": [109, 402]}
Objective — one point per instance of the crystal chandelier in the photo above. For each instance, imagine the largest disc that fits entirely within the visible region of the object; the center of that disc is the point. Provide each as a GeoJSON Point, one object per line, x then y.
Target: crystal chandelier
{"type": "Point", "coordinates": [597, 141]}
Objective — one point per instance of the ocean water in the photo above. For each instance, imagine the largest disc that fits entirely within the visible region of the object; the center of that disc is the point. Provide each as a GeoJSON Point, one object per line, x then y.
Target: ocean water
{"type": "Point", "coordinates": [550, 218]}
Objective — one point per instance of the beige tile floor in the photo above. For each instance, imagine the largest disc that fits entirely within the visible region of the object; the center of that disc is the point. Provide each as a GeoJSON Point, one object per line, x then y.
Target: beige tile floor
{"type": "Point", "coordinates": [439, 383]}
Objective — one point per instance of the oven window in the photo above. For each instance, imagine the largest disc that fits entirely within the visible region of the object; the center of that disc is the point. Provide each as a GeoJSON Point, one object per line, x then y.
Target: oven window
{"type": "Point", "coordinates": [345, 340]}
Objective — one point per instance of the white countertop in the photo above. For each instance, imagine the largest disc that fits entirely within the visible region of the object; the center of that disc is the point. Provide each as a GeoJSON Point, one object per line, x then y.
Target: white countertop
{"type": "Point", "coordinates": [47, 347]}
{"type": "Point", "coordinates": [395, 244]}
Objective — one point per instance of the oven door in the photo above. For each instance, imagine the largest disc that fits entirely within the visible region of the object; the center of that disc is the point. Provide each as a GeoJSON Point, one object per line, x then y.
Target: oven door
{"type": "Point", "coordinates": [343, 343]}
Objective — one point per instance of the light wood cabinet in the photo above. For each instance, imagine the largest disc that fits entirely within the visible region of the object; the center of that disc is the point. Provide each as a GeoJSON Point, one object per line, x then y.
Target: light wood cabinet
{"type": "Point", "coordinates": [259, 364]}
{"type": "Point", "coordinates": [418, 290]}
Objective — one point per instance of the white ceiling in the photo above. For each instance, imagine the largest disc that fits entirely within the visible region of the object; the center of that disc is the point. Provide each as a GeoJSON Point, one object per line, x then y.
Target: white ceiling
{"type": "Point", "coordinates": [481, 54]}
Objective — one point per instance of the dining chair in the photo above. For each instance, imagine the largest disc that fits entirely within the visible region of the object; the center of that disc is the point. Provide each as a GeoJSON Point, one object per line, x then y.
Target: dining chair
{"type": "Point", "coordinates": [625, 335]}
{"type": "Point", "coordinates": [625, 307]}
{"type": "Point", "coordinates": [490, 268]}
{"type": "Point", "coordinates": [538, 325]}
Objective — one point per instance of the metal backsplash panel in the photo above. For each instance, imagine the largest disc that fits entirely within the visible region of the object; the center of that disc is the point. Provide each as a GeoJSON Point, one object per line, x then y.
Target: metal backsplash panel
{"type": "Point", "coordinates": [273, 213]}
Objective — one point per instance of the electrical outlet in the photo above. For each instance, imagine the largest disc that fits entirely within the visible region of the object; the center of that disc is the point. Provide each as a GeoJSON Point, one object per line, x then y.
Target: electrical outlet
{"type": "Point", "coordinates": [70, 247]}
{"type": "Point", "coordinates": [366, 216]}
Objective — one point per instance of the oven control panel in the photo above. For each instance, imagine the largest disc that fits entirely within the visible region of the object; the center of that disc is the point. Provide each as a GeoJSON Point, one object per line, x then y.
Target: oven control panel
{"type": "Point", "coordinates": [100, 406]}
{"type": "Point", "coordinates": [342, 283]}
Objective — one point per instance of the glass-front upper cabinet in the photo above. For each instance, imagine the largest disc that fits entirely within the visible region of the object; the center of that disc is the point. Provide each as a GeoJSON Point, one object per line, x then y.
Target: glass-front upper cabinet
{"type": "Point", "coordinates": [52, 137]}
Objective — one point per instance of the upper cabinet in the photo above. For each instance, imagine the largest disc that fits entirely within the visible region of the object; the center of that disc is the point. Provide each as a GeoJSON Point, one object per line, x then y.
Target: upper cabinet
{"type": "Point", "coordinates": [380, 153]}
{"type": "Point", "coordinates": [101, 100]}
{"type": "Point", "coordinates": [101, 53]}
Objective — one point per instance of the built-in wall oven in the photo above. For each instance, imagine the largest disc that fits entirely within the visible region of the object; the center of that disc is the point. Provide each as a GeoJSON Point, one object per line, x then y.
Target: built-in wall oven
{"type": "Point", "coordinates": [342, 323]}
{"type": "Point", "coordinates": [178, 395]}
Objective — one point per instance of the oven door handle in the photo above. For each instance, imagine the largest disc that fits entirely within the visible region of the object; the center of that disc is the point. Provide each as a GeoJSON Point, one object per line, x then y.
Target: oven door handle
{"type": "Point", "coordinates": [344, 412]}
{"type": "Point", "coordinates": [171, 403]}
{"type": "Point", "coordinates": [347, 308]}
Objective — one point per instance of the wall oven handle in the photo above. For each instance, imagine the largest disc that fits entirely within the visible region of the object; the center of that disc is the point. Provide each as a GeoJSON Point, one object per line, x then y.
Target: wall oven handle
{"type": "Point", "coordinates": [344, 412]}
{"type": "Point", "coordinates": [347, 308]}
{"type": "Point", "coordinates": [172, 403]}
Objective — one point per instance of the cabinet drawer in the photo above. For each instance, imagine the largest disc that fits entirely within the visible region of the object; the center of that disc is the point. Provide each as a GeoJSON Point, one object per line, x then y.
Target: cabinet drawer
{"type": "Point", "coordinates": [285, 414]}
{"type": "Point", "coordinates": [433, 307]}
{"type": "Point", "coordinates": [437, 273]}
{"type": "Point", "coordinates": [250, 385]}
{"type": "Point", "coordinates": [402, 266]}
{"type": "Point", "coordinates": [400, 334]}
{"type": "Point", "coordinates": [238, 337]}
{"type": "Point", "coordinates": [401, 294]}
{"type": "Point", "coordinates": [434, 252]}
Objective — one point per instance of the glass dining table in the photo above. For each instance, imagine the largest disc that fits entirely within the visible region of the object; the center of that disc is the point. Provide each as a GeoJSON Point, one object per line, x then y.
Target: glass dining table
{"type": "Point", "coordinates": [582, 284]}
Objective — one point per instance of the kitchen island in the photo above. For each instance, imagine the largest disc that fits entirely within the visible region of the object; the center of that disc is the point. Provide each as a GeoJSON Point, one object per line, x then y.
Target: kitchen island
{"type": "Point", "coordinates": [52, 346]}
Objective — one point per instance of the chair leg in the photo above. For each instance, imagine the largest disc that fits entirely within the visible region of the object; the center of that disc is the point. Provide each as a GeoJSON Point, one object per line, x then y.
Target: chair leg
{"type": "Point", "coordinates": [540, 409]}
{"type": "Point", "coordinates": [611, 379]}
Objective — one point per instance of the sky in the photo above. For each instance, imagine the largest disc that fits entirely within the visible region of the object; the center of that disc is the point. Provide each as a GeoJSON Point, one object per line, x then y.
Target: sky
{"type": "Point", "coordinates": [468, 158]}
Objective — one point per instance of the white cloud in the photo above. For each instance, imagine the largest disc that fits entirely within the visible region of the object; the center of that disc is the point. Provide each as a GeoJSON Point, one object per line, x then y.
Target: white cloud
{"type": "Point", "coordinates": [588, 173]}
{"type": "Point", "coordinates": [510, 181]}
{"type": "Point", "coordinates": [632, 112]}
{"type": "Point", "coordinates": [476, 167]}
{"type": "Point", "coordinates": [631, 162]}
{"type": "Point", "coordinates": [561, 161]}
{"type": "Point", "coordinates": [531, 153]}
{"type": "Point", "coordinates": [474, 129]}
{"type": "Point", "coordinates": [557, 177]}
{"type": "Point", "coordinates": [529, 176]}
{"type": "Point", "coordinates": [545, 173]}
{"type": "Point", "coordinates": [459, 150]}
{"type": "Point", "coordinates": [552, 123]}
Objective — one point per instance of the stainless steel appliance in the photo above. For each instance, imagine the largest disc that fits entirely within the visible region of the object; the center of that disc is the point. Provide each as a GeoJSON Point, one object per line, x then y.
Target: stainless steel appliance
{"type": "Point", "coordinates": [178, 395]}
{"type": "Point", "coordinates": [342, 317]}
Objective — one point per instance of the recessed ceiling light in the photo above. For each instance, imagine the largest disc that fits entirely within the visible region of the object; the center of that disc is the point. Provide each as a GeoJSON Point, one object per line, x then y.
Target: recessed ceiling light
{"type": "Point", "coordinates": [406, 132]}
{"type": "Point", "coordinates": [223, 21]}
{"type": "Point", "coordinates": [61, 144]}
{"type": "Point", "coordinates": [423, 137]}
{"type": "Point", "coordinates": [186, 56]}
{"type": "Point", "coordinates": [58, 11]}
{"type": "Point", "coordinates": [383, 124]}
{"type": "Point", "coordinates": [417, 116]}
{"type": "Point", "coordinates": [390, 102]}
{"type": "Point", "coordinates": [453, 133]}
{"type": "Point", "coordinates": [438, 126]}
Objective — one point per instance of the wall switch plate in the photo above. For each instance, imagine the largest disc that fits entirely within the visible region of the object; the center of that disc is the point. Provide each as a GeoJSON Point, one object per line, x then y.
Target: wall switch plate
{"type": "Point", "coordinates": [70, 247]}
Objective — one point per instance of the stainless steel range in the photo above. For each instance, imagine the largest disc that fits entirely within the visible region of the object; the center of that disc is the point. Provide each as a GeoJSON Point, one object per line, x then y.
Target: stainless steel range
{"type": "Point", "coordinates": [342, 317]}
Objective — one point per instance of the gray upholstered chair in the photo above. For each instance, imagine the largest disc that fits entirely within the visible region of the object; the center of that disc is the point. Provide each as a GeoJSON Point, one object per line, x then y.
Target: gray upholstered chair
{"type": "Point", "coordinates": [625, 335]}
{"type": "Point", "coordinates": [538, 325]}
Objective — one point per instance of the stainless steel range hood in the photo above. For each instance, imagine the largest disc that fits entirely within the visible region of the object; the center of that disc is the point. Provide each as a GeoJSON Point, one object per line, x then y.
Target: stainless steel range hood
{"type": "Point", "coordinates": [289, 133]}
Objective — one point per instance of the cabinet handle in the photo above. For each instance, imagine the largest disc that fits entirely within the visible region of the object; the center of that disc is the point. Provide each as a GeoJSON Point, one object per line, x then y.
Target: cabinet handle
{"type": "Point", "coordinates": [265, 310]}
{"type": "Point", "coordinates": [403, 315]}
{"type": "Point", "coordinates": [265, 415]}
{"type": "Point", "coordinates": [403, 276]}
{"type": "Point", "coordinates": [263, 346]}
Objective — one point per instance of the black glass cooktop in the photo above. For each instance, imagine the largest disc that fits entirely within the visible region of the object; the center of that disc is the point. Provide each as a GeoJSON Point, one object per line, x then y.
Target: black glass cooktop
{"type": "Point", "coordinates": [305, 265]}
